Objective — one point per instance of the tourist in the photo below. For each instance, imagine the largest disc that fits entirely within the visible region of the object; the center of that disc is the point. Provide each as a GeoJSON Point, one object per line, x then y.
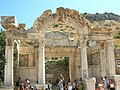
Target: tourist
{"type": "Point", "coordinates": [112, 84]}
{"type": "Point", "coordinates": [66, 87]}
{"type": "Point", "coordinates": [27, 84]}
{"type": "Point", "coordinates": [46, 85]}
{"type": "Point", "coordinates": [106, 83]}
{"type": "Point", "coordinates": [74, 85]}
{"type": "Point", "coordinates": [80, 85]}
{"type": "Point", "coordinates": [18, 83]}
{"type": "Point", "coordinates": [69, 85]}
{"type": "Point", "coordinates": [101, 85]}
{"type": "Point", "coordinates": [55, 85]}
{"type": "Point", "coordinates": [60, 84]}
{"type": "Point", "coordinates": [22, 86]}
{"type": "Point", "coordinates": [49, 85]}
{"type": "Point", "coordinates": [101, 79]}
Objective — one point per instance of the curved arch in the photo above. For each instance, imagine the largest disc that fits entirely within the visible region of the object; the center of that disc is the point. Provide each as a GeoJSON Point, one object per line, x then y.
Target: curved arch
{"type": "Point", "coordinates": [70, 16]}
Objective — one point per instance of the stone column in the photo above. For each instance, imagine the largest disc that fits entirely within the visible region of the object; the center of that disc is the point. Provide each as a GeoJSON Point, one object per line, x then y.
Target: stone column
{"type": "Point", "coordinates": [110, 58]}
{"type": "Point", "coordinates": [102, 59]}
{"type": "Point", "coordinates": [17, 68]}
{"type": "Point", "coordinates": [70, 67]}
{"type": "Point", "coordinates": [8, 75]}
{"type": "Point", "coordinates": [41, 63]}
{"type": "Point", "coordinates": [84, 63]}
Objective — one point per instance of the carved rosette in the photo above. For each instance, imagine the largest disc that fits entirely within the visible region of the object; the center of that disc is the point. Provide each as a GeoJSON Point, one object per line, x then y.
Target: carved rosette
{"type": "Point", "coordinates": [9, 42]}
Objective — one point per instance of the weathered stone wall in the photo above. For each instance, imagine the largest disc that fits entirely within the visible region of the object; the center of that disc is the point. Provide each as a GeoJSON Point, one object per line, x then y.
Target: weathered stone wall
{"type": "Point", "coordinates": [117, 57]}
{"type": "Point", "coordinates": [28, 73]}
{"type": "Point", "coordinates": [55, 69]}
{"type": "Point", "coordinates": [27, 64]}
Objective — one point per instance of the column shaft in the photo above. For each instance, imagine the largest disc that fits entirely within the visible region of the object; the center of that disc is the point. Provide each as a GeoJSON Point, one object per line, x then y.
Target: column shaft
{"type": "Point", "coordinates": [70, 67]}
{"type": "Point", "coordinates": [110, 58]}
{"type": "Point", "coordinates": [84, 62]}
{"type": "Point", "coordinates": [41, 66]}
{"type": "Point", "coordinates": [103, 62]}
{"type": "Point", "coordinates": [8, 76]}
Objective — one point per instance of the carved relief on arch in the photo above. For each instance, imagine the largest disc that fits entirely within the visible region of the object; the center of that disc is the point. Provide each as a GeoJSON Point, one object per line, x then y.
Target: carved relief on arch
{"type": "Point", "coordinates": [61, 14]}
{"type": "Point", "coordinates": [42, 19]}
{"type": "Point", "coordinates": [47, 13]}
{"type": "Point", "coordinates": [71, 13]}
{"type": "Point", "coordinates": [75, 14]}
{"type": "Point", "coordinates": [67, 12]}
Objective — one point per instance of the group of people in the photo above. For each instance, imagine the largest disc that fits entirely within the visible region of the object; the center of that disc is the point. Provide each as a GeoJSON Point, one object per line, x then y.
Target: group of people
{"type": "Point", "coordinates": [76, 85]}
{"type": "Point", "coordinates": [106, 84]}
{"type": "Point", "coordinates": [23, 86]}
{"type": "Point", "coordinates": [61, 84]}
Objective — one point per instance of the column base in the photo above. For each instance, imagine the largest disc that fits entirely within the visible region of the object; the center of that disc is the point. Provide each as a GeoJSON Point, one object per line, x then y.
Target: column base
{"type": "Point", "coordinates": [6, 88]}
{"type": "Point", "coordinates": [90, 83]}
{"type": "Point", "coordinates": [40, 86]}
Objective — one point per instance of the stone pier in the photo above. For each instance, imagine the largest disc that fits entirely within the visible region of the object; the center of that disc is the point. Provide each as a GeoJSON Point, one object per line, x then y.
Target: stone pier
{"type": "Point", "coordinates": [90, 84]}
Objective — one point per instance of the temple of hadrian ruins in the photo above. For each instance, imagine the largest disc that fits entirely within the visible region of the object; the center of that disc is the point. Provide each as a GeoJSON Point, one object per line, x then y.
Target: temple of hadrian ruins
{"type": "Point", "coordinates": [65, 33]}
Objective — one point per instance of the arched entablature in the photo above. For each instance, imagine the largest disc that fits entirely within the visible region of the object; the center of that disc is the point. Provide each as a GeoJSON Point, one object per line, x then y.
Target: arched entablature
{"type": "Point", "coordinates": [65, 16]}
{"type": "Point", "coordinates": [17, 44]}
{"type": "Point", "coordinates": [11, 41]}
{"type": "Point", "coordinates": [16, 41]}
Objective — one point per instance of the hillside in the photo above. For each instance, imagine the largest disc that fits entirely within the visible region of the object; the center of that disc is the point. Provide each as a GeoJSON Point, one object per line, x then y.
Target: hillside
{"type": "Point", "coordinates": [102, 17]}
{"type": "Point", "coordinates": [106, 20]}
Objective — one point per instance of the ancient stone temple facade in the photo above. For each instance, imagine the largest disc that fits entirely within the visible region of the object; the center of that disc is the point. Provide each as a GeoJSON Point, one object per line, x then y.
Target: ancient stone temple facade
{"type": "Point", "coordinates": [65, 33]}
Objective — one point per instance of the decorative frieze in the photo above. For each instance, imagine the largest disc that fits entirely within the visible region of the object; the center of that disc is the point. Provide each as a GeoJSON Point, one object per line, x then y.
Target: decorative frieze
{"type": "Point", "coordinates": [23, 50]}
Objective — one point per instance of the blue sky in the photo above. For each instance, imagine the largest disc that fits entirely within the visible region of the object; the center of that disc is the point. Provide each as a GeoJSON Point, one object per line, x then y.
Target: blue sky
{"type": "Point", "coordinates": [26, 11]}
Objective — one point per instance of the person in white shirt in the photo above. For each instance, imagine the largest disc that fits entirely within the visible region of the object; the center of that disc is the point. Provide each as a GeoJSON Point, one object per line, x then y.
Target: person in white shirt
{"type": "Point", "coordinates": [49, 85]}
{"type": "Point", "coordinates": [60, 84]}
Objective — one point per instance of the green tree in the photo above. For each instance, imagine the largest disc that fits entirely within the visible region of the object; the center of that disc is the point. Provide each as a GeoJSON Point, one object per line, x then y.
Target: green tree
{"type": "Point", "coordinates": [2, 54]}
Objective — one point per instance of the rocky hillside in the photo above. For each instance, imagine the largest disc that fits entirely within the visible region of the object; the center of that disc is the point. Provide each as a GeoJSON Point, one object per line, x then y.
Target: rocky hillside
{"type": "Point", "coordinates": [102, 17]}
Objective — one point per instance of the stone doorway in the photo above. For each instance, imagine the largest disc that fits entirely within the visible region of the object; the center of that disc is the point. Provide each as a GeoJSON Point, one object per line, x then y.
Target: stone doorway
{"type": "Point", "coordinates": [54, 66]}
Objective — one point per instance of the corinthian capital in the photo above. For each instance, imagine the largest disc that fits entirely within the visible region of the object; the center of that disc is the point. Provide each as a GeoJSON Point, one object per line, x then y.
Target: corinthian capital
{"type": "Point", "coordinates": [102, 44]}
{"type": "Point", "coordinates": [9, 42]}
{"type": "Point", "coordinates": [41, 43]}
{"type": "Point", "coordinates": [109, 43]}
{"type": "Point", "coordinates": [83, 42]}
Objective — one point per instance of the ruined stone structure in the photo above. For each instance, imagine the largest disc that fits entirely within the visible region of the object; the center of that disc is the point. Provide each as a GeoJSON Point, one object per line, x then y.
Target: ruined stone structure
{"type": "Point", "coordinates": [65, 33]}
